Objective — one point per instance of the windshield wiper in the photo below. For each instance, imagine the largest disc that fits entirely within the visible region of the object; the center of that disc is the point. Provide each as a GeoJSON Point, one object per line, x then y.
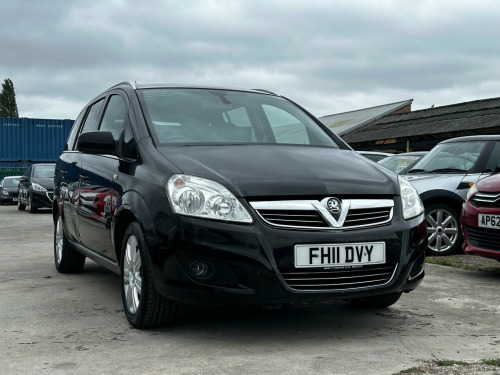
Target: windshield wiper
{"type": "Point", "coordinates": [448, 170]}
{"type": "Point", "coordinates": [416, 171]}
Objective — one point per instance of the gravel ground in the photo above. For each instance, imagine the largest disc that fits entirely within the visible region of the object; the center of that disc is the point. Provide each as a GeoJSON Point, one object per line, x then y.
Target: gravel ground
{"type": "Point", "coordinates": [469, 262]}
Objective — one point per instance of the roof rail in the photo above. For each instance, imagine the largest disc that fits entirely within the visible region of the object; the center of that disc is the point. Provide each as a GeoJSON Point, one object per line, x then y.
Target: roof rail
{"type": "Point", "coordinates": [125, 83]}
{"type": "Point", "coordinates": [266, 91]}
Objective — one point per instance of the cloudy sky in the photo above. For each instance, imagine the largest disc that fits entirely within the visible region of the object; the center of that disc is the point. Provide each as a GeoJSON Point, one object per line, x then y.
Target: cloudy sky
{"type": "Point", "coordinates": [330, 56]}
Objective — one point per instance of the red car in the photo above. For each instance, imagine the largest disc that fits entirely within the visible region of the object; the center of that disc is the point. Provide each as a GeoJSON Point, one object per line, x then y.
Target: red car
{"type": "Point", "coordinates": [481, 218]}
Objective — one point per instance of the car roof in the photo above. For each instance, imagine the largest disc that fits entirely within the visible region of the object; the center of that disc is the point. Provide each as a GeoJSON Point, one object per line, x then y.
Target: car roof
{"type": "Point", "coordinates": [375, 153]}
{"type": "Point", "coordinates": [471, 138]}
{"type": "Point", "coordinates": [413, 153]}
{"type": "Point", "coordinates": [11, 177]}
{"type": "Point", "coordinates": [139, 86]}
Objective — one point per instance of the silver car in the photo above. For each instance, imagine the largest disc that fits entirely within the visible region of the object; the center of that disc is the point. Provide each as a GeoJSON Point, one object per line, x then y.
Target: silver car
{"type": "Point", "coordinates": [443, 177]}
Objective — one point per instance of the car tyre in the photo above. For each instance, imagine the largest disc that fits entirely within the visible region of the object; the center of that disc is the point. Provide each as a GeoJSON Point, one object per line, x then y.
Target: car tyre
{"type": "Point", "coordinates": [67, 259]}
{"type": "Point", "coordinates": [144, 306]}
{"type": "Point", "coordinates": [443, 229]}
{"type": "Point", "coordinates": [31, 206]}
{"type": "Point", "coordinates": [20, 206]}
{"type": "Point", "coordinates": [376, 302]}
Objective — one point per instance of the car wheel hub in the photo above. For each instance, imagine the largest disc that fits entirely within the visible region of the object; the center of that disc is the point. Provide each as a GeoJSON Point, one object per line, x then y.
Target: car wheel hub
{"type": "Point", "coordinates": [442, 228]}
{"type": "Point", "coordinates": [132, 281]}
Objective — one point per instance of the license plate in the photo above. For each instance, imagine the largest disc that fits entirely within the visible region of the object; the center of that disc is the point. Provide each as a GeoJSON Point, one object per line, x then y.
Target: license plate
{"type": "Point", "coordinates": [14, 199]}
{"type": "Point", "coordinates": [488, 221]}
{"type": "Point", "coordinates": [340, 254]}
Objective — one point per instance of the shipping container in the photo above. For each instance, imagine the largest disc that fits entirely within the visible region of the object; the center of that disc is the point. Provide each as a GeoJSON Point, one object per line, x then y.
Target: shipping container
{"type": "Point", "coordinates": [32, 140]}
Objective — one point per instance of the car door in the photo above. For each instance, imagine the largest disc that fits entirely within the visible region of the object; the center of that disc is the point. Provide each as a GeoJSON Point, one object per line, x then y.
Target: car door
{"type": "Point", "coordinates": [98, 194]}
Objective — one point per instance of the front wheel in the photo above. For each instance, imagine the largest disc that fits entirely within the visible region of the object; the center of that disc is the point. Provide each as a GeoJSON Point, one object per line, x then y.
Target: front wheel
{"type": "Point", "coordinates": [376, 302]}
{"type": "Point", "coordinates": [144, 306]}
{"type": "Point", "coordinates": [20, 206]}
{"type": "Point", "coordinates": [443, 228]}
{"type": "Point", "coordinates": [67, 259]}
{"type": "Point", "coordinates": [31, 206]}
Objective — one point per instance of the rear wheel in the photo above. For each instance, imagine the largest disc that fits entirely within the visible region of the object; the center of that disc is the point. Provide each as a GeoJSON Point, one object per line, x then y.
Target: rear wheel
{"type": "Point", "coordinates": [67, 259]}
{"type": "Point", "coordinates": [376, 302]}
{"type": "Point", "coordinates": [144, 306]}
{"type": "Point", "coordinates": [443, 228]}
{"type": "Point", "coordinates": [20, 206]}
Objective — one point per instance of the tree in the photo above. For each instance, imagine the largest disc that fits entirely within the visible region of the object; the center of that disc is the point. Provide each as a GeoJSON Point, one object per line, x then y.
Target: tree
{"type": "Point", "coordinates": [8, 105]}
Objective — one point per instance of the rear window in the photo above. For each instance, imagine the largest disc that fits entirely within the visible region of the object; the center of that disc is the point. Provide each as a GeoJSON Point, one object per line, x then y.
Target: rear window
{"type": "Point", "coordinates": [189, 116]}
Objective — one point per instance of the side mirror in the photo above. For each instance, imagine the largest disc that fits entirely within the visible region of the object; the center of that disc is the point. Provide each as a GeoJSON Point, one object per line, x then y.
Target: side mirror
{"type": "Point", "coordinates": [497, 169]}
{"type": "Point", "coordinates": [23, 178]}
{"type": "Point", "coordinates": [100, 142]}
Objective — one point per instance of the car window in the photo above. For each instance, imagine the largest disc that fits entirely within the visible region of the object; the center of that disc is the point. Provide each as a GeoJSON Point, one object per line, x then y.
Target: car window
{"type": "Point", "coordinates": [398, 163]}
{"type": "Point", "coordinates": [494, 158]}
{"type": "Point", "coordinates": [225, 116]}
{"type": "Point", "coordinates": [44, 171]}
{"type": "Point", "coordinates": [91, 119]}
{"type": "Point", "coordinates": [451, 156]}
{"type": "Point", "coordinates": [70, 144]}
{"type": "Point", "coordinates": [286, 128]}
{"type": "Point", "coordinates": [114, 116]}
{"type": "Point", "coordinates": [10, 182]}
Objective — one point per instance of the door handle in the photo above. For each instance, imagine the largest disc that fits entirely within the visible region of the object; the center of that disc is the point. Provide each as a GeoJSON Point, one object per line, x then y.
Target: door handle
{"type": "Point", "coordinates": [63, 173]}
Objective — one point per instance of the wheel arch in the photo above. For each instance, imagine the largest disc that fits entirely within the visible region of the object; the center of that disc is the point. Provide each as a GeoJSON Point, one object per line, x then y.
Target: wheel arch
{"type": "Point", "coordinates": [131, 208]}
{"type": "Point", "coordinates": [442, 197]}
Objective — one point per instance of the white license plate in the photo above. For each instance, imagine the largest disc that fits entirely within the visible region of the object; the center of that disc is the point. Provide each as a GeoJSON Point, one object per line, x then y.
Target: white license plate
{"type": "Point", "coordinates": [340, 254]}
{"type": "Point", "coordinates": [488, 221]}
{"type": "Point", "coordinates": [14, 199]}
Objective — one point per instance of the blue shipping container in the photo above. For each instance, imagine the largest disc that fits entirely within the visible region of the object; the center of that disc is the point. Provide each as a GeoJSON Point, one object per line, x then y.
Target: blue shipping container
{"type": "Point", "coordinates": [27, 140]}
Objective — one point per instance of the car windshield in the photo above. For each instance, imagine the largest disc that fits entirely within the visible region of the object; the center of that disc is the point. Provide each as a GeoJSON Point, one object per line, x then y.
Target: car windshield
{"type": "Point", "coordinates": [10, 182]}
{"type": "Point", "coordinates": [456, 157]}
{"type": "Point", "coordinates": [190, 116]}
{"type": "Point", "coordinates": [398, 163]}
{"type": "Point", "coordinates": [44, 171]}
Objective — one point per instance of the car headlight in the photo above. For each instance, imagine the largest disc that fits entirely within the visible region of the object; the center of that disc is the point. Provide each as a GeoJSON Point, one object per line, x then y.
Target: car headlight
{"type": "Point", "coordinates": [5, 192]}
{"type": "Point", "coordinates": [471, 192]}
{"type": "Point", "coordinates": [196, 196]}
{"type": "Point", "coordinates": [410, 200]}
{"type": "Point", "coordinates": [37, 187]}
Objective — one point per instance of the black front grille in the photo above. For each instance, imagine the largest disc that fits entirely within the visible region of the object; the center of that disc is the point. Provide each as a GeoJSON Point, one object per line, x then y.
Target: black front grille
{"type": "Point", "coordinates": [482, 199]}
{"type": "Point", "coordinates": [294, 218]}
{"type": "Point", "coordinates": [484, 238]}
{"type": "Point", "coordinates": [367, 216]}
{"type": "Point", "coordinates": [320, 279]}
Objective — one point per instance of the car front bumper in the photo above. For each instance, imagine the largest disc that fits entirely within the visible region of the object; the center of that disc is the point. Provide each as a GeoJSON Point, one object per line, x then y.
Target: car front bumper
{"type": "Point", "coordinates": [42, 199]}
{"type": "Point", "coordinates": [480, 241]}
{"type": "Point", "coordinates": [249, 261]}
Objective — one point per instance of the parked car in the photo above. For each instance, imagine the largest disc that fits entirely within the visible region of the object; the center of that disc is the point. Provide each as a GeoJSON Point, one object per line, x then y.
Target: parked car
{"type": "Point", "coordinates": [443, 177]}
{"type": "Point", "coordinates": [217, 196]}
{"type": "Point", "coordinates": [400, 163]}
{"type": "Point", "coordinates": [36, 187]}
{"type": "Point", "coordinates": [481, 218]}
{"type": "Point", "coordinates": [8, 189]}
{"type": "Point", "coordinates": [374, 155]}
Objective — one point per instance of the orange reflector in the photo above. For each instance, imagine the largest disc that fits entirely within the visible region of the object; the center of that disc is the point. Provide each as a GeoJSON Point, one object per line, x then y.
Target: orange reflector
{"type": "Point", "coordinates": [471, 184]}
{"type": "Point", "coordinates": [178, 182]}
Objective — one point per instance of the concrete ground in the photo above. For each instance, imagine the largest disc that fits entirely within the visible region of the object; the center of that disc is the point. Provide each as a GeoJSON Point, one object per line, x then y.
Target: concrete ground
{"type": "Point", "coordinates": [58, 324]}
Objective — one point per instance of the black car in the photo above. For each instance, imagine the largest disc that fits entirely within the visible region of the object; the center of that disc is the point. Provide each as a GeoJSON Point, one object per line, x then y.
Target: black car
{"type": "Point", "coordinates": [8, 189]}
{"type": "Point", "coordinates": [36, 187]}
{"type": "Point", "coordinates": [211, 196]}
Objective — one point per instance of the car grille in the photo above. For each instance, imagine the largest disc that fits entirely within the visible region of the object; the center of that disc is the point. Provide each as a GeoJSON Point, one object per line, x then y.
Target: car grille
{"type": "Point", "coordinates": [486, 199]}
{"type": "Point", "coordinates": [313, 279]}
{"type": "Point", "coordinates": [484, 238]}
{"type": "Point", "coordinates": [310, 214]}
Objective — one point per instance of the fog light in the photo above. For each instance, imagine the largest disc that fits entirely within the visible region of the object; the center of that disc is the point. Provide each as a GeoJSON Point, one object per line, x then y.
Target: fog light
{"type": "Point", "coordinates": [201, 269]}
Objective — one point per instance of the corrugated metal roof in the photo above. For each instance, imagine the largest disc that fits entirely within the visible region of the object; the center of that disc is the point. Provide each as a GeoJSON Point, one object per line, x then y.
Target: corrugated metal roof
{"type": "Point", "coordinates": [478, 114]}
{"type": "Point", "coordinates": [341, 123]}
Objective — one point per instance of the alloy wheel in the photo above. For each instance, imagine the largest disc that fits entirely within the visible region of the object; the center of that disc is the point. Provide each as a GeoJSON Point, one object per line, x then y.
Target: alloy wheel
{"type": "Point", "coordinates": [442, 228]}
{"type": "Point", "coordinates": [59, 240]}
{"type": "Point", "coordinates": [132, 278]}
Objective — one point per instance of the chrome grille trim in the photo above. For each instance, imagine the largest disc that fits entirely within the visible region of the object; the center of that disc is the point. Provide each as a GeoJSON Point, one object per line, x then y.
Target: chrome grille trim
{"type": "Point", "coordinates": [313, 214]}
{"type": "Point", "coordinates": [338, 279]}
{"type": "Point", "coordinates": [486, 199]}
